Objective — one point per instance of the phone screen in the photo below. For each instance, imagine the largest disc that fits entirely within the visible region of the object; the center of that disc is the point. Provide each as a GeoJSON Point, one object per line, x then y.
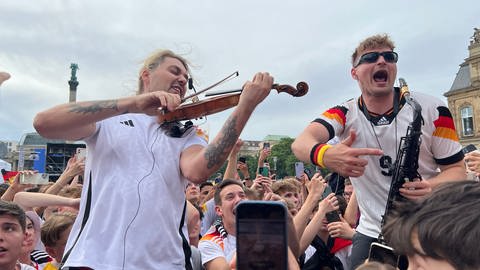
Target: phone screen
{"type": "Point", "coordinates": [261, 235]}
{"type": "Point", "coordinates": [242, 159]}
{"type": "Point", "coordinates": [299, 169]}
{"type": "Point", "coordinates": [266, 145]}
{"type": "Point", "coordinates": [385, 254]}
{"type": "Point", "coordinates": [469, 148]}
{"type": "Point", "coordinates": [263, 171]}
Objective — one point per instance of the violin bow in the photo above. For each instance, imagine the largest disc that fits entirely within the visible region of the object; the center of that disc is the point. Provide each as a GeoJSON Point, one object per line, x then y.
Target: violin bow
{"type": "Point", "coordinates": [229, 77]}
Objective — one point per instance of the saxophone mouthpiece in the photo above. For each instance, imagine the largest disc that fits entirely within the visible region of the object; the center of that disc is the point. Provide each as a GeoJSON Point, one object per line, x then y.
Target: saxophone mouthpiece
{"type": "Point", "coordinates": [402, 82]}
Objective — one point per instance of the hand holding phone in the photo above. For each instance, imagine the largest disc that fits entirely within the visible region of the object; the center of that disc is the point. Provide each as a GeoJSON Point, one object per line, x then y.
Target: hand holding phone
{"type": "Point", "coordinates": [261, 235]}
{"type": "Point", "coordinates": [266, 145]}
{"type": "Point", "coordinates": [35, 178]}
{"type": "Point", "coordinates": [332, 216]}
{"type": "Point", "coordinates": [263, 171]}
{"type": "Point", "coordinates": [299, 170]}
{"type": "Point", "coordinates": [81, 153]}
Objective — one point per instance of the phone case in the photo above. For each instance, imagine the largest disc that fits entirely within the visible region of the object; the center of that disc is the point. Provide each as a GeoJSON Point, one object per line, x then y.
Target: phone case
{"type": "Point", "coordinates": [36, 179]}
{"type": "Point", "coordinates": [261, 235]}
{"type": "Point", "coordinates": [81, 153]}
{"type": "Point", "coordinates": [332, 216]}
{"type": "Point", "coordinates": [385, 254]}
{"type": "Point", "coordinates": [299, 169]}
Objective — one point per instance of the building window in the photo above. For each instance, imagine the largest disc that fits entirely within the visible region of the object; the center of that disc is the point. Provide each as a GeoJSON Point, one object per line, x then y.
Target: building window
{"type": "Point", "coordinates": [467, 121]}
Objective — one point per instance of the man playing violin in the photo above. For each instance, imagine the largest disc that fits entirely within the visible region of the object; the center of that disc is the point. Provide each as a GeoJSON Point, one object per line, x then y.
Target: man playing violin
{"type": "Point", "coordinates": [136, 173]}
{"type": "Point", "coordinates": [371, 127]}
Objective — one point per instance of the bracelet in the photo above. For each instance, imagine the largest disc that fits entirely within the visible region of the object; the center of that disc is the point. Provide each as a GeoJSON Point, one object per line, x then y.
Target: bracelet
{"type": "Point", "coordinates": [317, 153]}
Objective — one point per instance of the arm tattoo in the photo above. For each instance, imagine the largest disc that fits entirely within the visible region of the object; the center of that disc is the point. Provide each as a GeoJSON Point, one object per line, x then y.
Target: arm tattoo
{"type": "Point", "coordinates": [94, 107]}
{"type": "Point", "coordinates": [215, 152]}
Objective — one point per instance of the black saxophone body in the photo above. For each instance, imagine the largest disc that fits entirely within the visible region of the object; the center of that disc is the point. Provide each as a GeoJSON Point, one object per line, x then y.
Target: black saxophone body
{"type": "Point", "coordinates": [406, 163]}
{"type": "Point", "coordinates": [405, 169]}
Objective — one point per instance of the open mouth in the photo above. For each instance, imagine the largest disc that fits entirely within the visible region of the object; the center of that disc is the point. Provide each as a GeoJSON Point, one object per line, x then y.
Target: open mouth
{"type": "Point", "coordinates": [380, 76]}
{"type": "Point", "coordinates": [177, 89]}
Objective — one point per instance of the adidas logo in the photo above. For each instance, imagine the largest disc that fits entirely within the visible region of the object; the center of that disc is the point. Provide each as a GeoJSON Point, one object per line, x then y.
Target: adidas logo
{"type": "Point", "coordinates": [383, 121]}
{"type": "Point", "coordinates": [128, 123]}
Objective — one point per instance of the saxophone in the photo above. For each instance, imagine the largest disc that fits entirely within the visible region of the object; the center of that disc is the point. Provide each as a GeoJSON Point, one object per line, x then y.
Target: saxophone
{"type": "Point", "coordinates": [405, 169]}
{"type": "Point", "coordinates": [406, 164]}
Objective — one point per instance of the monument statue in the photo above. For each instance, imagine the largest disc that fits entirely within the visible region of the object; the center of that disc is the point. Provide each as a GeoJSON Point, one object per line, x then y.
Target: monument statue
{"type": "Point", "coordinates": [475, 39]}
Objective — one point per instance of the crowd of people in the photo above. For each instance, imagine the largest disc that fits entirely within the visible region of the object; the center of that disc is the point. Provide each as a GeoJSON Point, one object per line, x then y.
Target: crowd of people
{"type": "Point", "coordinates": [145, 202]}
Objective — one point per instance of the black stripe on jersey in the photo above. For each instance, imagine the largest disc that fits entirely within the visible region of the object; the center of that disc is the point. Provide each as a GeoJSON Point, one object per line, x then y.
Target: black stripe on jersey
{"type": "Point", "coordinates": [444, 111]}
{"type": "Point", "coordinates": [451, 159]}
{"type": "Point", "coordinates": [40, 257]}
{"type": "Point", "coordinates": [331, 131]}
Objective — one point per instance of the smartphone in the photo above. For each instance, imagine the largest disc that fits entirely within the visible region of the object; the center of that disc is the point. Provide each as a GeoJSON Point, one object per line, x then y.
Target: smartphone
{"type": "Point", "coordinates": [309, 173]}
{"type": "Point", "coordinates": [469, 148]}
{"type": "Point", "coordinates": [327, 191]}
{"type": "Point", "coordinates": [261, 235]}
{"type": "Point", "coordinates": [242, 159]}
{"type": "Point", "coordinates": [36, 179]}
{"type": "Point", "coordinates": [266, 145]}
{"type": "Point", "coordinates": [385, 254]}
{"type": "Point", "coordinates": [263, 171]}
{"type": "Point", "coordinates": [299, 169]}
{"type": "Point", "coordinates": [331, 216]}
{"type": "Point", "coordinates": [81, 153]}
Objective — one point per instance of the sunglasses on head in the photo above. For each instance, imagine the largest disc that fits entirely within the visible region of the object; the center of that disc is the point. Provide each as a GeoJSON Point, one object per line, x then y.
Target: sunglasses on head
{"type": "Point", "coordinates": [372, 57]}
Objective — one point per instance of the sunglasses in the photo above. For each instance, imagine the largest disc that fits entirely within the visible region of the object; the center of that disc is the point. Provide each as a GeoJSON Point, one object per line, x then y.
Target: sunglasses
{"type": "Point", "coordinates": [372, 57]}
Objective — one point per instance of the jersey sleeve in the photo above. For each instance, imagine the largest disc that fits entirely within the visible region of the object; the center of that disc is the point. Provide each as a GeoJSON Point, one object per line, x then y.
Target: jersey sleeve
{"type": "Point", "coordinates": [211, 247]}
{"type": "Point", "coordinates": [333, 120]}
{"type": "Point", "coordinates": [445, 146]}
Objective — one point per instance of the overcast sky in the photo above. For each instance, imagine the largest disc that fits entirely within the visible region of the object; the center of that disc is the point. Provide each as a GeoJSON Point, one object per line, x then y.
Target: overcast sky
{"type": "Point", "coordinates": [293, 40]}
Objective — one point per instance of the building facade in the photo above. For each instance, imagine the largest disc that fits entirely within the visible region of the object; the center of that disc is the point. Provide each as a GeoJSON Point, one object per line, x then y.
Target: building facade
{"type": "Point", "coordinates": [464, 95]}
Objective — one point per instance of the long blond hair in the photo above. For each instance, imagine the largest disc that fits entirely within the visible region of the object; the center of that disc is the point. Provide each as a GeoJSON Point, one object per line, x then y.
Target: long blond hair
{"type": "Point", "coordinates": [154, 60]}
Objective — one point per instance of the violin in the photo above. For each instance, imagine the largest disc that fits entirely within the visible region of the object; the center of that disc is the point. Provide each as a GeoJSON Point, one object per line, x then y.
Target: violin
{"type": "Point", "coordinates": [220, 103]}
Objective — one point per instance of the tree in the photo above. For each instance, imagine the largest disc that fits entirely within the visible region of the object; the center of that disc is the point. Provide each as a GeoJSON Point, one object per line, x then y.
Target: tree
{"type": "Point", "coordinates": [285, 161]}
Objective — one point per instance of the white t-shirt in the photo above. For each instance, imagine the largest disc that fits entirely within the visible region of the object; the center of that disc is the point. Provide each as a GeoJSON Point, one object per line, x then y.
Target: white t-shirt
{"type": "Point", "coordinates": [137, 197]}
{"type": "Point", "coordinates": [213, 245]}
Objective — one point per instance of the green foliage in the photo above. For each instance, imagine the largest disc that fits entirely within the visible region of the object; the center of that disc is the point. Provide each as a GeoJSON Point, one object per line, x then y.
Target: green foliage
{"type": "Point", "coordinates": [285, 165]}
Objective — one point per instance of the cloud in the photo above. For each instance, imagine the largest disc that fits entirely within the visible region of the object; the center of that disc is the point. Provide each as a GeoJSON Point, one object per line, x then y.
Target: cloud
{"type": "Point", "coordinates": [295, 41]}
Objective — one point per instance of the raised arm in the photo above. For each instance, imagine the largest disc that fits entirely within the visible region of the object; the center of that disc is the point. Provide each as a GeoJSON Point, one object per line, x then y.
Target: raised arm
{"type": "Point", "coordinates": [231, 170]}
{"type": "Point", "coordinates": [264, 153]}
{"type": "Point", "coordinates": [76, 120]}
{"type": "Point", "coordinates": [74, 167]}
{"type": "Point", "coordinates": [351, 213]}
{"type": "Point", "coordinates": [15, 187]}
{"type": "Point", "coordinates": [328, 204]}
{"type": "Point", "coordinates": [197, 163]}
{"type": "Point", "coordinates": [316, 187]}
{"type": "Point", "coordinates": [28, 200]}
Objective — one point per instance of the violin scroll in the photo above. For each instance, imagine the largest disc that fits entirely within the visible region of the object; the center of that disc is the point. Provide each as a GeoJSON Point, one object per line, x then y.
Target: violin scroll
{"type": "Point", "coordinates": [300, 90]}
